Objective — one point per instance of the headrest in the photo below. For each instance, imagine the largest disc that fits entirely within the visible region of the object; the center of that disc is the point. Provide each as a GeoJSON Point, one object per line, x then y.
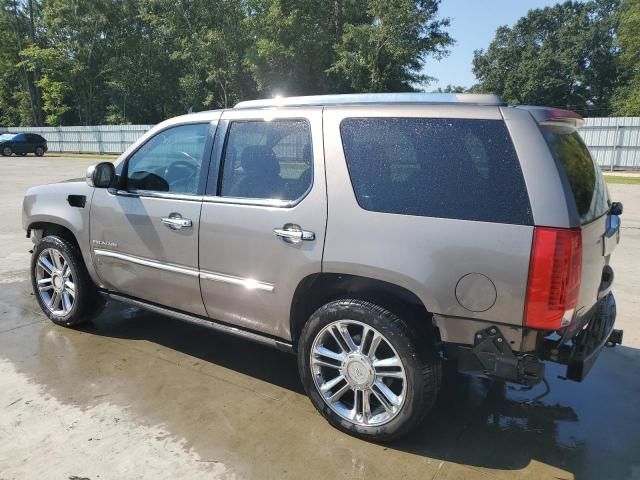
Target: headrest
{"type": "Point", "coordinates": [258, 160]}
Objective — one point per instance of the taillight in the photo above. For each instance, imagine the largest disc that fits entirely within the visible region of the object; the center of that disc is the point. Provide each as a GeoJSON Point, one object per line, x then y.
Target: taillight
{"type": "Point", "coordinates": [554, 278]}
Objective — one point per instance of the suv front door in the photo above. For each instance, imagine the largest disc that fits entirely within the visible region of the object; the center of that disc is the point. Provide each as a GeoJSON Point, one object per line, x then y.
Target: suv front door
{"type": "Point", "coordinates": [263, 217]}
{"type": "Point", "coordinates": [144, 235]}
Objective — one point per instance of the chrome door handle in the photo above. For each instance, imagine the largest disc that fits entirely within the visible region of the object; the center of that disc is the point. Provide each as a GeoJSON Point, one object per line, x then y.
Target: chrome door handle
{"type": "Point", "coordinates": [176, 222]}
{"type": "Point", "coordinates": [292, 233]}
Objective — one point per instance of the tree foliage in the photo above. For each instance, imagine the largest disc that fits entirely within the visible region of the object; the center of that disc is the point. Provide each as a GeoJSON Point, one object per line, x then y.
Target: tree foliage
{"type": "Point", "coordinates": [627, 98]}
{"type": "Point", "coordinates": [564, 56]}
{"type": "Point", "coordinates": [139, 61]}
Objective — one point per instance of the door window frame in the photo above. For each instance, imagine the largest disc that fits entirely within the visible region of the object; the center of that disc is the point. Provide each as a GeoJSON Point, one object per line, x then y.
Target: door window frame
{"type": "Point", "coordinates": [216, 166]}
{"type": "Point", "coordinates": [121, 188]}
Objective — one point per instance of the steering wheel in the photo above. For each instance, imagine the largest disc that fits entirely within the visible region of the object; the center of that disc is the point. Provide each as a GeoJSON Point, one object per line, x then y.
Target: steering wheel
{"type": "Point", "coordinates": [183, 181]}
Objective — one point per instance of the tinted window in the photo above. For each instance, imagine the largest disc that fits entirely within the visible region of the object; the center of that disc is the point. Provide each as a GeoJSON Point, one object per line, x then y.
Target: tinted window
{"type": "Point", "coordinates": [21, 137]}
{"type": "Point", "coordinates": [171, 161]}
{"type": "Point", "coordinates": [450, 168]}
{"type": "Point", "coordinates": [585, 178]}
{"type": "Point", "coordinates": [267, 160]}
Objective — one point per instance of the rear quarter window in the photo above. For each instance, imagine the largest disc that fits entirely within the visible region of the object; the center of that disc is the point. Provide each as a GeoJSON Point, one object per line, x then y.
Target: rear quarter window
{"type": "Point", "coordinates": [450, 168]}
{"type": "Point", "coordinates": [584, 176]}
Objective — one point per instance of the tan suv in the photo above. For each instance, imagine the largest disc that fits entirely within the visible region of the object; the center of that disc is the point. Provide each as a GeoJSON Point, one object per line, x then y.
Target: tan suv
{"type": "Point", "coordinates": [375, 235]}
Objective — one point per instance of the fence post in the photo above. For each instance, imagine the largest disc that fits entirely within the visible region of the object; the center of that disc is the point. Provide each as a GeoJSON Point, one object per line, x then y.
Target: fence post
{"type": "Point", "coordinates": [615, 147]}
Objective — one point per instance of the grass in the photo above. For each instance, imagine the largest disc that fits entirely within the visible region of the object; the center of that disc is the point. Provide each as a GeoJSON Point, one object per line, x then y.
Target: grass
{"type": "Point", "coordinates": [624, 180]}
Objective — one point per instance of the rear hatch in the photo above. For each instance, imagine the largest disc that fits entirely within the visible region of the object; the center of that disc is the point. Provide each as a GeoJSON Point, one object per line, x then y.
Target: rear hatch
{"type": "Point", "coordinates": [588, 190]}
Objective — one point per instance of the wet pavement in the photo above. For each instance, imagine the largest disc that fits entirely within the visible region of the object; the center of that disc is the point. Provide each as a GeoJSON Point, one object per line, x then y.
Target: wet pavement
{"type": "Point", "coordinates": [138, 395]}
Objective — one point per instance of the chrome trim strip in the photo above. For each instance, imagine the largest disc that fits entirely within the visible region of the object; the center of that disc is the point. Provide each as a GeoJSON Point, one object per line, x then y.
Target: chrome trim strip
{"type": "Point", "coordinates": [260, 202]}
{"type": "Point", "coordinates": [147, 263]}
{"type": "Point", "coordinates": [208, 323]}
{"type": "Point", "coordinates": [165, 195]}
{"type": "Point", "coordinates": [248, 283]}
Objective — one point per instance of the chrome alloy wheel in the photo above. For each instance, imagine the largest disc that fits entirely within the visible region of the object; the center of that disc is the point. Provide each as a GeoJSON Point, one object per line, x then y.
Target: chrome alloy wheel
{"type": "Point", "coordinates": [358, 373]}
{"type": "Point", "coordinates": [55, 283]}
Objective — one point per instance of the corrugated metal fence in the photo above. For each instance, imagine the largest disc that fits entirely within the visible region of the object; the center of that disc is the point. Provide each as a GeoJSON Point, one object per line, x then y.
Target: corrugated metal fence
{"type": "Point", "coordinates": [613, 141]}
{"type": "Point", "coordinates": [94, 139]}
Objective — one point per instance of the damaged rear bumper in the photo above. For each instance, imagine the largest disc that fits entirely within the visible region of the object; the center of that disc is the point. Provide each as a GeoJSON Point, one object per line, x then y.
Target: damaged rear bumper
{"type": "Point", "coordinates": [492, 356]}
{"type": "Point", "coordinates": [579, 354]}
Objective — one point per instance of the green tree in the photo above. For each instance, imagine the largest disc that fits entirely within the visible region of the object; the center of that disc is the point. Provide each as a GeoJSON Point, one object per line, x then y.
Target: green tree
{"type": "Point", "coordinates": [387, 52]}
{"type": "Point", "coordinates": [627, 98]}
{"type": "Point", "coordinates": [451, 89]}
{"type": "Point", "coordinates": [563, 56]}
{"type": "Point", "coordinates": [307, 47]}
{"type": "Point", "coordinates": [20, 97]}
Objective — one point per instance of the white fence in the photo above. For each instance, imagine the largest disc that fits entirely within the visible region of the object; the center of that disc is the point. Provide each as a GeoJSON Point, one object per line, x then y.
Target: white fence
{"type": "Point", "coordinates": [614, 141]}
{"type": "Point", "coordinates": [95, 139]}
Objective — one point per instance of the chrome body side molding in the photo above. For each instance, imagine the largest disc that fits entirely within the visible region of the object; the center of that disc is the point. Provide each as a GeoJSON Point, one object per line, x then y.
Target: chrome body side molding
{"type": "Point", "coordinates": [205, 322]}
{"type": "Point", "coordinates": [146, 262]}
{"type": "Point", "coordinates": [248, 283]}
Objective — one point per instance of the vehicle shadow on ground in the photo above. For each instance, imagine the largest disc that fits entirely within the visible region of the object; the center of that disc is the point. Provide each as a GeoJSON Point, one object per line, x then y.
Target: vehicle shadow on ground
{"type": "Point", "coordinates": [588, 429]}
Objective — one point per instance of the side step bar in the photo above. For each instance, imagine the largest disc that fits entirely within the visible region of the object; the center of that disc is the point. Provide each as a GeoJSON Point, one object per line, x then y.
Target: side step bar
{"type": "Point", "coordinates": [202, 321]}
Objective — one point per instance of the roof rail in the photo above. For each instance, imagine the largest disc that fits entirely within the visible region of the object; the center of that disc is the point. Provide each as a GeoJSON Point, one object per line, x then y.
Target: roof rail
{"type": "Point", "coordinates": [364, 98]}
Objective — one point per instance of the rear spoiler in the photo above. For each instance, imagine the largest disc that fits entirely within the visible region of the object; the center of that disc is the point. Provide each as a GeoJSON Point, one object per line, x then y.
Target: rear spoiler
{"type": "Point", "coordinates": [551, 114]}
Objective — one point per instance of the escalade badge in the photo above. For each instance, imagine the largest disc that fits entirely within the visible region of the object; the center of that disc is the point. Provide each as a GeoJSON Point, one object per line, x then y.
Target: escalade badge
{"type": "Point", "coordinates": [104, 243]}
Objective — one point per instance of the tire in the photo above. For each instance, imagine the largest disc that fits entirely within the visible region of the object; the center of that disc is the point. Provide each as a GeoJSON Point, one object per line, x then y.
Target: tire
{"type": "Point", "coordinates": [6, 151]}
{"type": "Point", "coordinates": [413, 396]}
{"type": "Point", "coordinates": [39, 151]}
{"type": "Point", "coordinates": [56, 266]}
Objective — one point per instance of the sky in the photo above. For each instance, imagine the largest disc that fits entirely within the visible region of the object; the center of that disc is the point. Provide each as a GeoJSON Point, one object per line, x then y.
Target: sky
{"type": "Point", "coordinates": [473, 25]}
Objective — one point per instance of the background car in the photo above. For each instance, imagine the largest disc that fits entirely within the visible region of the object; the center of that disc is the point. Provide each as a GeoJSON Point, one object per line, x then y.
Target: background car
{"type": "Point", "coordinates": [22, 143]}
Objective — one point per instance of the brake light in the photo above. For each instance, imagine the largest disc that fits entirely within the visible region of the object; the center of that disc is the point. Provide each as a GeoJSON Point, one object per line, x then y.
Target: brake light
{"type": "Point", "coordinates": [554, 278]}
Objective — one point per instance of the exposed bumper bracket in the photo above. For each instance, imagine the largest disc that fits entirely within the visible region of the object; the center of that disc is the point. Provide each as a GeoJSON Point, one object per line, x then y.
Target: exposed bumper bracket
{"type": "Point", "coordinates": [491, 355]}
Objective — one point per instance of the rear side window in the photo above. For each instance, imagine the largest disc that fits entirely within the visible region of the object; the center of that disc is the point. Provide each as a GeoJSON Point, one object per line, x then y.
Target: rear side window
{"type": "Point", "coordinates": [267, 160]}
{"type": "Point", "coordinates": [584, 176]}
{"type": "Point", "coordinates": [448, 168]}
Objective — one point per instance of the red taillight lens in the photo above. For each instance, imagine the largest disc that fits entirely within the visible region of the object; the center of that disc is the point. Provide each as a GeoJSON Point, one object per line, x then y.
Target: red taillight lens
{"type": "Point", "coordinates": [554, 278]}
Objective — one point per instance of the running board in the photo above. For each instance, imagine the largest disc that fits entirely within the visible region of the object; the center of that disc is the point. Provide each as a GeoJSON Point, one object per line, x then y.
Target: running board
{"type": "Point", "coordinates": [204, 322]}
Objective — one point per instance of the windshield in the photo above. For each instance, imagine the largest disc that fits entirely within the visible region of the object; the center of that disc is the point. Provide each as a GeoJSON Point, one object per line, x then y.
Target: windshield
{"type": "Point", "coordinates": [6, 136]}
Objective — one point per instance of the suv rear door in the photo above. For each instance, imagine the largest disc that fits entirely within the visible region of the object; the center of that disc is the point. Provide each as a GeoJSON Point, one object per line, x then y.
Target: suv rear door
{"type": "Point", "coordinates": [263, 218]}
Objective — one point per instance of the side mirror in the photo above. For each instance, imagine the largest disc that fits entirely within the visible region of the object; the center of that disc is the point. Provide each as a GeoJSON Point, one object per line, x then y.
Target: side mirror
{"type": "Point", "coordinates": [616, 208]}
{"type": "Point", "coordinates": [101, 175]}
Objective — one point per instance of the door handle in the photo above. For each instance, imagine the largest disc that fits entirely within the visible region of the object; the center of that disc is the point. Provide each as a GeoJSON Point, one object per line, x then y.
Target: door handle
{"type": "Point", "coordinates": [175, 221]}
{"type": "Point", "coordinates": [292, 233]}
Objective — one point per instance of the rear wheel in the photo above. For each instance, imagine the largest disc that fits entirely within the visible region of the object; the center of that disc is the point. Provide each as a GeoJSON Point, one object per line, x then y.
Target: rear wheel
{"type": "Point", "coordinates": [6, 151]}
{"type": "Point", "coordinates": [39, 151]}
{"type": "Point", "coordinates": [62, 284]}
{"type": "Point", "coordinates": [365, 371]}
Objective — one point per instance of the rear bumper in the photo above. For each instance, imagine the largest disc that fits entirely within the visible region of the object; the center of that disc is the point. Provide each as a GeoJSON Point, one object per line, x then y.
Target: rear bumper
{"type": "Point", "coordinates": [581, 351]}
{"type": "Point", "coordinates": [492, 356]}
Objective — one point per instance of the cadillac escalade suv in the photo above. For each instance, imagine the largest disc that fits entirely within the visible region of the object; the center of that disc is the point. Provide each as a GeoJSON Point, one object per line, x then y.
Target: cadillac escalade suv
{"type": "Point", "coordinates": [377, 236]}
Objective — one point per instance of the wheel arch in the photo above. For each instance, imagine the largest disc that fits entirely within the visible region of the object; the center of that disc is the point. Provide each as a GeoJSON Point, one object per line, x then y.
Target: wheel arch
{"type": "Point", "coordinates": [320, 288]}
{"type": "Point", "coordinates": [51, 228]}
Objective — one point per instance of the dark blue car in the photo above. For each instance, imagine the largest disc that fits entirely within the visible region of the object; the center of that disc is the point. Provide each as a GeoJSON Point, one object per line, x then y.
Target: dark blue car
{"type": "Point", "coordinates": [22, 143]}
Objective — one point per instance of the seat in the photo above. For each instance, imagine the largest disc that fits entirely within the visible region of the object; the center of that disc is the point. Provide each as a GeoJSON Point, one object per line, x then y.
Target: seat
{"type": "Point", "coordinates": [261, 174]}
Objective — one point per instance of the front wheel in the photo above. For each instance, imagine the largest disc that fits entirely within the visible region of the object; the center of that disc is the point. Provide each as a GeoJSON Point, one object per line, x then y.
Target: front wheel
{"type": "Point", "coordinates": [6, 151]}
{"type": "Point", "coordinates": [62, 284]}
{"type": "Point", "coordinates": [365, 371]}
